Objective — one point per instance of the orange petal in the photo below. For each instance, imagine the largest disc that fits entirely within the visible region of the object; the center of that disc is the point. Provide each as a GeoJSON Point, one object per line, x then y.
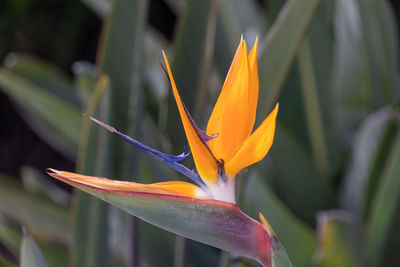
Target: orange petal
{"type": "Point", "coordinates": [256, 147]}
{"type": "Point", "coordinates": [230, 117]}
{"type": "Point", "coordinates": [170, 188]}
{"type": "Point", "coordinates": [253, 86]}
{"type": "Point", "coordinates": [205, 162]}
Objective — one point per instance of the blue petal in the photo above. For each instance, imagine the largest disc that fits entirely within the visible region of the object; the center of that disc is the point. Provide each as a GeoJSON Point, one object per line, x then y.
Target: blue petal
{"type": "Point", "coordinates": [167, 159]}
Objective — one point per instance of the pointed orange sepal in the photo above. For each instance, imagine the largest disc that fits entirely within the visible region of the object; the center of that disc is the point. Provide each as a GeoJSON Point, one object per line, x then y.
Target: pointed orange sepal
{"type": "Point", "coordinates": [256, 147]}
{"type": "Point", "coordinates": [205, 162]}
{"type": "Point", "coordinates": [253, 86]}
{"type": "Point", "coordinates": [229, 119]}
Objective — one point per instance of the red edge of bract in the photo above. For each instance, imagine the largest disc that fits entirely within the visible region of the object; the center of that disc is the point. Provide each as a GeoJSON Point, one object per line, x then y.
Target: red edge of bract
{"type": "Point", "coordinates": [264, 247]}
{"type": "Point", "coordinates": [72, 182]}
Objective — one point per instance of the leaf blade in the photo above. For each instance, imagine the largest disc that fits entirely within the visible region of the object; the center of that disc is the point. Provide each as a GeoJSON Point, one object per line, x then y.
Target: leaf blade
{"type": "Point", "coordinates": [384, 207]}
{"type": "Point", "coordinates": [31, 256]}
{"type": "Point", "coordinates": [46, 108]}
{"type": "Point", "coordinates": [284, 35]}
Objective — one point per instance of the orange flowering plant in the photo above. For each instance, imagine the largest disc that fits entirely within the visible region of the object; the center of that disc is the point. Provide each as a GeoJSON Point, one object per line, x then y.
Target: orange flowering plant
{"type": "Point", "coordinates": [205, 210]}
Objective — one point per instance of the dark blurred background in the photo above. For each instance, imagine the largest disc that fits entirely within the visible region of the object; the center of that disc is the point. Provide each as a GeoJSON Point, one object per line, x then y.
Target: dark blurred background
{"type": "Point", "coordinates": [61, 32]}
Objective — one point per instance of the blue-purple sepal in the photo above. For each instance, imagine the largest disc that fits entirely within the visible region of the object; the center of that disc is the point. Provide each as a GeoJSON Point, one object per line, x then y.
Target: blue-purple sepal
{"type": "Point", "coordinates": [170, 160]}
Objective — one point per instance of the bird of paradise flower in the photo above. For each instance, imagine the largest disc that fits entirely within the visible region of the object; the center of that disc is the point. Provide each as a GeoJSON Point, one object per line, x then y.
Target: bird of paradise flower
{"type": "Point", "coordinates": [205, 211]}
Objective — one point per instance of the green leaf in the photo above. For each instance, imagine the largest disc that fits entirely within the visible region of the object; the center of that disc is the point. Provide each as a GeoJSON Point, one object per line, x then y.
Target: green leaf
{"type": "Point", "coordinates": [53, 118]}
{"type": "Point", "coordinates": [154, 77]}
{"type": "Point", "coordinates": [156, 246]}
{"type": "Point", "coordinates": [250, 18]}
{"type": "Point", "coordinates": [369, 151]}
{"type": "Point", "coordinates": [312, 107]}
{"type": "Point", "coordinates": [34, 212]}
{"type": "Point", "coordinates": [43, 75]}
{"type": "Point", "coordinates": [37, 183]}
{"type": "Point", "coordinates": [31, 255]}
{"type": "Point", "coordinates": [295, 235]}
{"type": "Point", "coordinates": [290, 153]}
{"type": "Point", "coordinates": [273, 7]}
{"type": "Point", "coordinates": [11, 237]}
{"type": "Point", "coordinates": [291, 164]}
{"type": "Point", "coordinates": [79, 227]}
{"type": "Point", "coordinates": [384, 207]}
{"type": "Point", "coordinates": [280, 257]}
{"type": "Point", "coordinates": [337, 240]}
{"type": "Point", "coordinates": [85, 242]}
{"type": "Point", "coordinates": [100, 7]}
{"type": "Point", "coordinates": [228, 31]}
{"type": "Point", "coordinates": [379, 28]}
{"type": "Point", "coordinates": [96, 253]}
{"type": "Point", "coordinates": [119, 58]}
{"type": "Point", "coordinates": [85, 80]}
{"type": "Point", "coordinates": [351, 75]}
{"type": "Point", "coordinates": [321, 41]}
{"type": "Point", "coordinates": [284, 35]}
{"type": "Point", "coordinates": [122, 236]}
{"type": "Point", "coordinates": [235, 18]}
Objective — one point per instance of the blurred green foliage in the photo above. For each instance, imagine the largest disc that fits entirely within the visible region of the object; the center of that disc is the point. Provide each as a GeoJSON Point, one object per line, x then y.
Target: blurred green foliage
{"type": "Point", "coordinates": [332, 65]}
